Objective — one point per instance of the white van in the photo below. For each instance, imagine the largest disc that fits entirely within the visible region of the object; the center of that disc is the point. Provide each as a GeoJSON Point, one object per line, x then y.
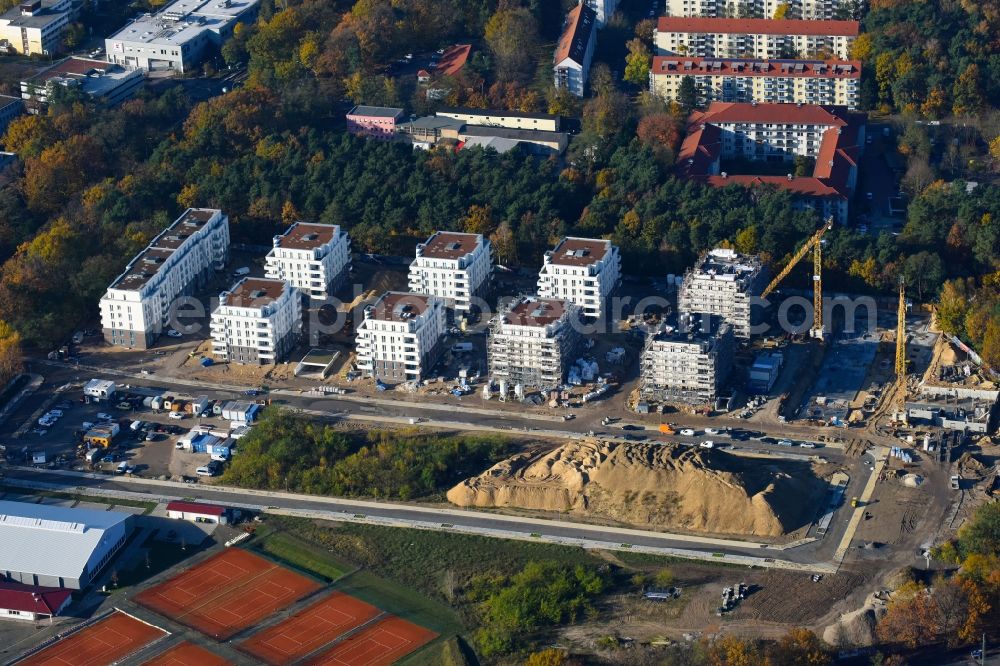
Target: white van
{"type": "Point", "coordinates": [203, 471]}
{"type": "Point", "coordinates": [122, 468]}
{"type": "Point", "coordinates": [241, 272]}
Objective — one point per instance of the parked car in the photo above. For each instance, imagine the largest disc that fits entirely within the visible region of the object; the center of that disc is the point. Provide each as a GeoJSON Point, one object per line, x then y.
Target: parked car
{"type": "Point", "coordinates": [55, 412]}
{"type": "Point", "coordinates": [707, 444]}
{"type": "Point", "coordinates": [176, 415]}
{"type": "Point", "coordinates": [136, 426]}
{"type": "Point", "coordinates": [688, 432]}
{"type": "Point", "coordinates": [784, 442]}
{"type": "Point", "coordinates": [203, 471]}
{"type": "Point", "coordinates": [103, 416]}
{"type": "Point", "coordinates": [174, 334]}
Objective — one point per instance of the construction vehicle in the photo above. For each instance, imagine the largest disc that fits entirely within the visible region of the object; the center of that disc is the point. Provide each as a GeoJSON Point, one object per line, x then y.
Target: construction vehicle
{"type": "Point", "coordinates": [815, 244]}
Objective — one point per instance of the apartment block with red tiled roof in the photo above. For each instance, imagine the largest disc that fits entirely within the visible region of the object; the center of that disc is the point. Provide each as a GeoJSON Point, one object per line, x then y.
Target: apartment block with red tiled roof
{"type": "Point", "coordinates": [582, 270]}
{"type": "Point", "coordinates": [763, 39]}
{"type": "Point", "coordinates": [575, 50]}
{"type": "Point", "coordinates": [825, 82]}
{"type": "Point", "coordinates": [314, 258]}
{"type": "Point", "coordinates": [802, 9]}
{"type": "Point", "coordinates": [832, 136]}
{"type": "Point", "coordinates": [453, 266]}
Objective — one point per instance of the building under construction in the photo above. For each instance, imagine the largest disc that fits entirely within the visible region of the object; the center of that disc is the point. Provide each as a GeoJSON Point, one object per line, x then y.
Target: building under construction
{"type": "Point", "coordinates": [724, 283]}
{"type": "Point", "coordinates": [688, 365]}
{"type": "Point", "coordinates": [533, 341]}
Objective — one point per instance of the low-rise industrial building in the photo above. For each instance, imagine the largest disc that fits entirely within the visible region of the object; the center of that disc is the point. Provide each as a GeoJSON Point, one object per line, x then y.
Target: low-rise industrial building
{"type": "Point", "coordinates": [582, 270]}
{"type": "Point", "coordinates": [31, 602]}
{"type": "Point", "coordinates": [724, 283]}
{"type": "Point", "coordinates": [313, 258]}
{"type": "Point", "coordinates": [180, 36]}
{"type": "Point", "coordinates": [544, 122]}
{"type": "Point", "coordinates": [373, 122]}
{"type": "Point", "coordinates": [761, 81]}
{"type": "Point", "coordinates": [690, 364]}
{"type": "Point", "coordinates": [500, 130]}
{"type": "Point", "coordinates": [99, 389]}
{"type": "Point", "coordinates": [55, 546]}
{"type": "Point", "coordinates": [35, 27]}
{"type": "Point", "coordinates": [100, 81]}
{"type": "Point", "coordinates": [763, 38]}
{"type": "Point", "coordinates": [532, 343]}
{"type": "Point", "coordinates": [178, 261]}
{"type": "Point", "coordinates": [400, 337]}
{"type": "Point", "coordinates": [197, 512]}
{"type": "Point", "coordinates": [575, 50]}
{"type": "Point", "coordinates": [453, 266]}
{"type": "Point", "coordinates": [258, 322]}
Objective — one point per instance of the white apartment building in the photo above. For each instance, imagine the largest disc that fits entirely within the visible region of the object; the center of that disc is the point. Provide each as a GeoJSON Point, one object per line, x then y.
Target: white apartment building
{"type": "Point", "coordinates": [817, 10]}
{"type": "Point", "coordinates": [516, 120]}
{"type": "Point", "coordinates": [603, 9]}
{"type": "Point", "coordinates": [179, 260]}
{"type": "Point", "coordinates": [533, 342]}
{"type": "Point", "coordinates": [313, 258]}
{"type": "Point", "coordinates": [400, 337]}
{"type": "Point", "coordinates": [575, 50]}
{"type": "Point", "coordinates": [582, 270]}
{"type": "Point", "coordinates": [762, 39]}
{"type": "Point", "coordinates": [452, 266]}
{"type": "Point", "coordinates": [180, 35]}
{"type": "Point", "coordinates": [723, 283]}
{"type": "Point", "coordinates": [35, 27]}
{"type": "Point", "coordinates": [825, 82]}
{"type": "Point", "coordinates": [258, 322]}
{"type": "Point", "coordinates": [689, 365]}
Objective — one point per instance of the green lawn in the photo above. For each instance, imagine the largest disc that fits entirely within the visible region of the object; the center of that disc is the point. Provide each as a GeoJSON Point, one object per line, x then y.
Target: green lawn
{"type": "Point", "coordinates": [405, 602]}
{"type": "Point", "coordinates": [302, 555]}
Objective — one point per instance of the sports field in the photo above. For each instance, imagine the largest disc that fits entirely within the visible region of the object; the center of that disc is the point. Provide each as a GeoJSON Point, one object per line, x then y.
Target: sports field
{"type": "Point", "coordinates": [380, 644]}
{"type": "Point", "coordinates": [186, 654]}
{"type": "Point", "coordinates": [227, 593]}
{"type": "Point", "coordinates": [105, 642]}
{"type": "Point", "coordinates": [309, 629]}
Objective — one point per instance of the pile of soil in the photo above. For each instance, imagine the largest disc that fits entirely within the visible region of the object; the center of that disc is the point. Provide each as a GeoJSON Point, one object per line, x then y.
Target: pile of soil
{"type": "Point", "coordinates": [644, 484]}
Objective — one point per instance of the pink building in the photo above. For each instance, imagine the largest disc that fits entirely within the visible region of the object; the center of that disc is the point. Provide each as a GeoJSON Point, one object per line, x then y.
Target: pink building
{"type": "Point", "coordinates": [374, 122]}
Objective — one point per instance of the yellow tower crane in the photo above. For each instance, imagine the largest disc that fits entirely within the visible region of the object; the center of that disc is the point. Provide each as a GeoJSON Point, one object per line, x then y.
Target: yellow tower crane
{"type": "Point", "coordinates": [901, 354]}
{"type": "Point", "coordinates": [814, 243]}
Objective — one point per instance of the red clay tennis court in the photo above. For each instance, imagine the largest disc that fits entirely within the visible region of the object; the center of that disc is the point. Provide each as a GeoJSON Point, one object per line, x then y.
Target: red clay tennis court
{"type": "Point", "coordinates": [309, 629]}
{"type": "Point", "coordinates": [378, 645]}
{"type": "Point", "coordinates": [187, 654]}
{"type": "Point", "coordinates": [227, 593]}
{"type": "Point", "coordinates": [104, 642]}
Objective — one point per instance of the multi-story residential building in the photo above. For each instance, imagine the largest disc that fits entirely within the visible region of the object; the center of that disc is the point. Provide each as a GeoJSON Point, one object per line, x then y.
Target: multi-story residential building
{"type": "Point", "coordinates": [10, 108]}
{"type": "Point", "coordinates": [180, 35]}
{"type": "Point", "coordinates": [400, 337]}
{"type": "Point", "coordinates": [452, 266]}
{"type": "Point", "coordinates": [794, 9]}
{"type": "Point", "coordinates": [179, 260]}
{"type": "Point", "coordinates": [582, 270]}
{"type": "Point", "coordinates": [373, 122]}
{"type": "Point", "coordinates": [827, 82]}
{"type": "Point", "coordinates": [727, 135]}
{"type": "Point", "coordinates": [533, 342]}
{"type": "Point", "coordinates": [258, 322]}
{"type": "Point", "coordinates": [603, 9]}
{"type": "Point", "coordinates": [99, 80]}
{"type": "Point", "coordinates": [313, 258]}
{"type": "Point", "coordinates": [762, 39]}
{"type": "Point", "coordinates": [35, 27]}
{"type": "Point", "coordinates": [571, 63]}
{"type": "Point", "coordinates": [723, 284]}
{"type": "Point", "coordinates": [690, 364]}
{"type": "Point", "coordinates": [516, 120]}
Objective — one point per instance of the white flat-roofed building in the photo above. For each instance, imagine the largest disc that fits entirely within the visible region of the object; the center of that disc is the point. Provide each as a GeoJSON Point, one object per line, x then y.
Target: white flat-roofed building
{"type": "Point", "coordinates": [56, 546]}
{"type": "Point", "coordinates": [35, 27]}
{"type": "Point", "coordinates": [258, 322]}
{"type": "Point", "coordinates": [802, 9]}
{"type": "Point", "coordinates": [533, 342]}
{"type": "Point", "coordinates": [453, 266]}
{"type": "Point", "coordinates": [179, 260]}
{"type": "Point", "coordinates": [582, 270]}
{"type": "Point", "coordinates": [98, 80]}
{"type": "Point", "coordinates": [689, 365]}
{"type": "Point", "coordinates": [400, 337]}
{"type": "Point", "coordinates": [723, 283]}
{"type": "Point", "coordinates": [763, 39]}
{"type": "Point", "coordinates": [499, 118]}
{"type": "Point", "coordinates": [313, 258]}
{"type": "Point", "coordinates": [180, 35]}
{"type": "Point", "coordinates": [824, 82]}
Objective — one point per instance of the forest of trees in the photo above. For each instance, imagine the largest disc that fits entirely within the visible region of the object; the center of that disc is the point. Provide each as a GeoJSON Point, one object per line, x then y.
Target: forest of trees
{"type": "Point", "coordinates": [285, 451]}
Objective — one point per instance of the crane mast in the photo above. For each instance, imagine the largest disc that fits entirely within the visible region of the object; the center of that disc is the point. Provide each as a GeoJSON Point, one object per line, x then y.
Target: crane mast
{"type": "Point", "coordinates": [815, 244]}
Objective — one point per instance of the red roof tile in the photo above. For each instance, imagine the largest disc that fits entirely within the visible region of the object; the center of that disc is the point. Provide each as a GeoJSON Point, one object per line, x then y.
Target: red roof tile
{"type": "Point", "coordinates": [31, 598]}
{"type": "Point", "coordinates": [576, 34]}
{"type": "Point", "coordinates": [757, 26]}
{"type": "Point", "coordinates": [788, 114]}
{"type": "Point", "coordinates": [195, 507]}
{"type": "Point", "coordinates": [819, 69]}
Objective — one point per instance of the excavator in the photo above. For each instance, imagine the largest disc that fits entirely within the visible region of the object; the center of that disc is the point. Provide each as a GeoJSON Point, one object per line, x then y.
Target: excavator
{"type": "Point", "coordinates": [815, 244]}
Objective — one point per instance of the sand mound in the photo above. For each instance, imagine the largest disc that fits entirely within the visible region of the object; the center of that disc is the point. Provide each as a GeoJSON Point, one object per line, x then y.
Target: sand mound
{"type": "Point", "coordinates": [650, 485]}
